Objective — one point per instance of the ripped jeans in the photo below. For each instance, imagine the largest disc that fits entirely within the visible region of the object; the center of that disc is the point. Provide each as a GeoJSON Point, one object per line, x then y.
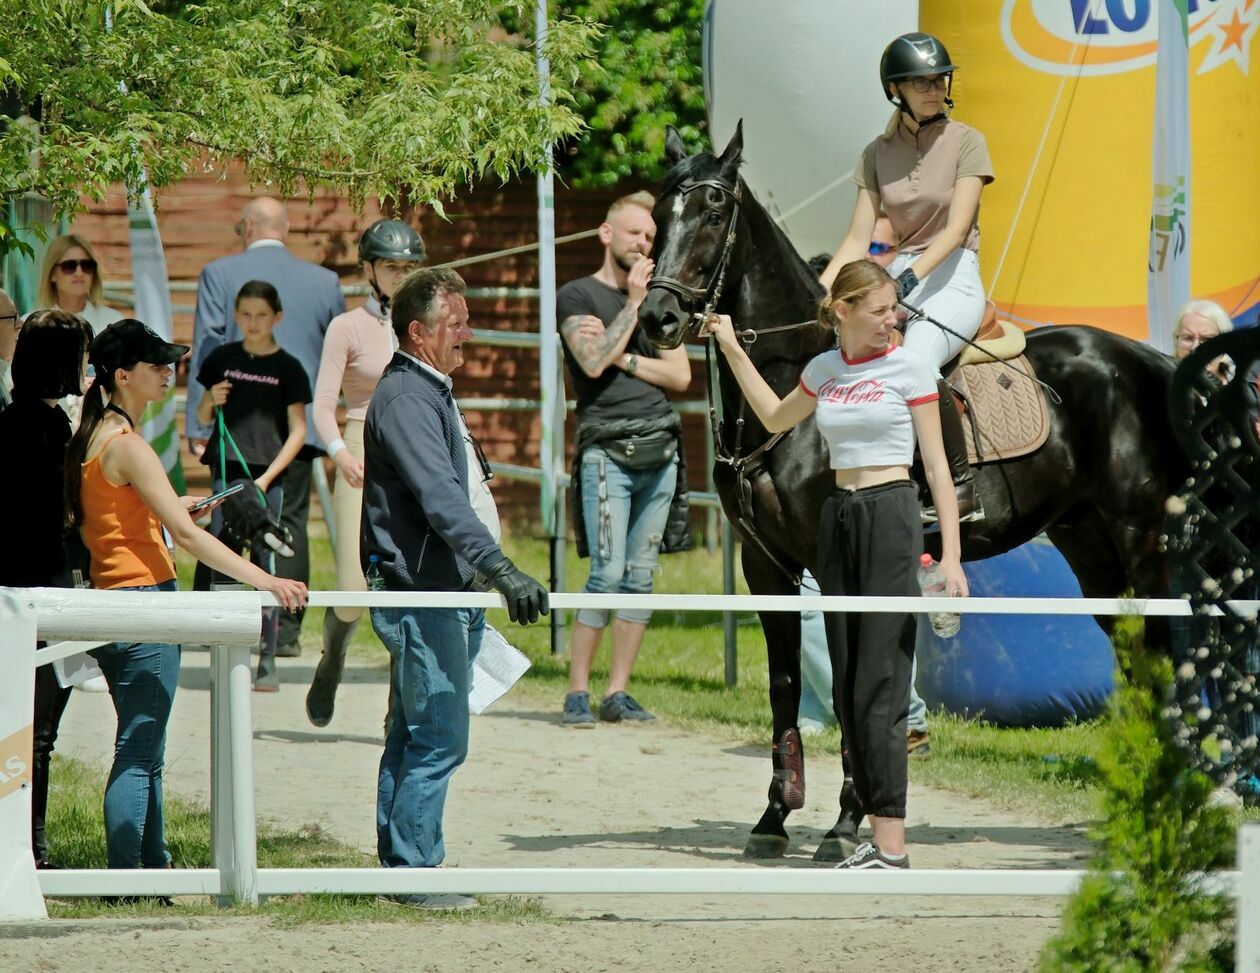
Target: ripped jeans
{"type": "Point", "coordinates": [625, 512]}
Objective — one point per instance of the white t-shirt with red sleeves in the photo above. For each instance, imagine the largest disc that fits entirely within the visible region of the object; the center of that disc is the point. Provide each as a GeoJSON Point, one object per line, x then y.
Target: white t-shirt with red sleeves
{"type": "Point", "coordinates": [864, 404]}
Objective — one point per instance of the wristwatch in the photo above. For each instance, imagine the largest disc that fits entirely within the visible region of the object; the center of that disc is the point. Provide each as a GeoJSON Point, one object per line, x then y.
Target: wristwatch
{"type": "Point", "coordinates": [631, 364]}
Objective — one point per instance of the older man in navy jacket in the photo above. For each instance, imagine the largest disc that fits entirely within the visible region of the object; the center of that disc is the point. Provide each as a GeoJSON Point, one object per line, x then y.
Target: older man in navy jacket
{"type": "Point", "coordinates": [421, 532]}
{"type": "Point", "coordinates": [311, 297]}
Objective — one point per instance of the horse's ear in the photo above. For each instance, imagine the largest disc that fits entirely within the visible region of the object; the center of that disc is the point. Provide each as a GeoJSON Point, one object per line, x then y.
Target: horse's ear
{"type": "Point", "coordinates": [733, 152]}
{"type": "Point", "coordinates": [675, 150]}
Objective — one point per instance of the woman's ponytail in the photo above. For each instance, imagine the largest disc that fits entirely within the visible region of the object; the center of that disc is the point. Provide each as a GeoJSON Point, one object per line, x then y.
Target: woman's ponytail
{"type": "Point", "coordinates": [76, 453]}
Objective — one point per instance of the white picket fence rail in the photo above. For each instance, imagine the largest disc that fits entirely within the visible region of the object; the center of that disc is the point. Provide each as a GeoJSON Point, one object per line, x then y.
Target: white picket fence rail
{"type": "Point", "coordinates": [229, 622]}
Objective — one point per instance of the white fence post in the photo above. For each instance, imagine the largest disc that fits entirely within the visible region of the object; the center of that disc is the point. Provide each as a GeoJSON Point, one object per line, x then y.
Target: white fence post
{"type": "Point", "coordinates": [20, 896]}
{"type": "Point", "coordinates": [233, 830]}
{"type": "Point", "coordinates": [1247, 958]}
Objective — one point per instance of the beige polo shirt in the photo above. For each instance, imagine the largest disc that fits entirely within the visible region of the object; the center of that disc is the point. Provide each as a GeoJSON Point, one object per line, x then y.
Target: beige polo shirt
{"type": "Point", "coordinates": [915, 175]}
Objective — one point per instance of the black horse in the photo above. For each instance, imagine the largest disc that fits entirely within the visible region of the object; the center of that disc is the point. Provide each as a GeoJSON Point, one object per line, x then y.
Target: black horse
{"type": "Point", "coordinates": [1097, 487]}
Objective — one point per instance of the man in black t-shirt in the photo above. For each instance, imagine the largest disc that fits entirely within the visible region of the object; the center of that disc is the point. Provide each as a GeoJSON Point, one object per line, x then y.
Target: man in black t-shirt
{"type": "Point", "coordinates": [628, 462]}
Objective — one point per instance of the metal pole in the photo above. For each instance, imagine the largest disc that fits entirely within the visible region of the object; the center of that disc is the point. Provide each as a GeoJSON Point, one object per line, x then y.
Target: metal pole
{"type": "Point", "coordinates": [1247, 958]}
{"type": "Point", "coordinates": [559, 617]}
{"type": "Point", "coordinates": [730, 635]}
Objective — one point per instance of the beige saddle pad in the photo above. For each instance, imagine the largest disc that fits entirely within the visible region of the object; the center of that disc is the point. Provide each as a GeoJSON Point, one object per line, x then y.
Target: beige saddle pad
{"type": "Point", "coordinates": [1007, 409]}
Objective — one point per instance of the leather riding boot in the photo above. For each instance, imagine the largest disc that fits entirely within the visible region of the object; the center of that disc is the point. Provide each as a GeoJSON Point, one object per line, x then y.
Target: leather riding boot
{"type": "Point", "coordinates": [321, 695]}
{"type": "Point", "coordinates": [969, 509]}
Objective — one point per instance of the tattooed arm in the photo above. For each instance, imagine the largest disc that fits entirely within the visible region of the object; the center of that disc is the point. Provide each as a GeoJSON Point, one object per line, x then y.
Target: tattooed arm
{"type": "Point", "coordinates": [595, 351]}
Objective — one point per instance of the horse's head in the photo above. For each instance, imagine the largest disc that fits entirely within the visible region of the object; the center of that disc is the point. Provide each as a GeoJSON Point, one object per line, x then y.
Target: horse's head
{"type": "Point", "coordinates": [696, 214]}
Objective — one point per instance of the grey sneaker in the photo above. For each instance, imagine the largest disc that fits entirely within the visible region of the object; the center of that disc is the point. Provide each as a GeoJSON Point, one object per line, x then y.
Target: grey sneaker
{"type": "Point", "coordinates": [623, 708]}
{"type": "Point", "coordinates": [433, 901]}
{"type": "Point", "coordinates": [577, 711]}
{"type": "Point", "coordinates": [868, 856]}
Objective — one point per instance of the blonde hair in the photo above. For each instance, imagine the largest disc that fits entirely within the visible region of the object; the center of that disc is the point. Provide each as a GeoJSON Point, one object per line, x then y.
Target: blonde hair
{"type": "Point", "coordinates": [854, 284]}
{"type": "Point", "coordinates": [642, 198]}
{"type": "Point", "coordinates": [1208, 309]}
{"type": "Point", "coordinates": [56, 250]}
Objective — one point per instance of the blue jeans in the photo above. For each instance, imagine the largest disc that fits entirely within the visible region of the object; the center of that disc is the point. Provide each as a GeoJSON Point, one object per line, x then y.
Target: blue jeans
{"type": "Point", "coordinates": [431, 652]}
{"type": "Point", "coordinates": [142, 677]}
{"type": "Point", "coordinates": [816, 672]}
{"type": "Point", "coordinates": [625, 512]}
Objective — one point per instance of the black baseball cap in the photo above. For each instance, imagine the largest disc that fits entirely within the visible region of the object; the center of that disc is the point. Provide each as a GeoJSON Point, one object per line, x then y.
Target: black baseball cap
{"type": "Point", "coordinates": [128, 341]}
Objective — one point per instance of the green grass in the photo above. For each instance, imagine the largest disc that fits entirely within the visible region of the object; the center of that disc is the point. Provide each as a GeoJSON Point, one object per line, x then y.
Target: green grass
{"type": "Point", "coordinates": [77, 840]}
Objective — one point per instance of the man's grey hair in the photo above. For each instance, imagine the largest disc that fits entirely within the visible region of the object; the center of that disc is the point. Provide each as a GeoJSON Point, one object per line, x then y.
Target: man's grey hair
{"type": "Point", "coordinates": [417, 297]}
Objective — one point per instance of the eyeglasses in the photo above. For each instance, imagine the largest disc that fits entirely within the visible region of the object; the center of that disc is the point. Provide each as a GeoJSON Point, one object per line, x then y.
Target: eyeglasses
{"type": "Point", "coordinates": [877, 249]}
{"type": "Point", "coordinates": [923, 85]}
{"type": "Point", "coordinates": [487, 474]}
{"type": "Point", "coordinates": [88, 266]}
{"type": "Point", "coordinates": [1193, 340]}
{"type": "Point", "coordinates": [15, 318]}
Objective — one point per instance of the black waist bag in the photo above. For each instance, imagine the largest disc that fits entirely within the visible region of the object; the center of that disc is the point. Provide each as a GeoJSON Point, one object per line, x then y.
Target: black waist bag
{"type": "Point", "coordinates": [648, 452]}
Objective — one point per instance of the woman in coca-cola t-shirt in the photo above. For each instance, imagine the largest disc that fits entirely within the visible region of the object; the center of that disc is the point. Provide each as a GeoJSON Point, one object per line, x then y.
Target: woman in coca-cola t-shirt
{"type": "Point", "coordinates": [870, 400]}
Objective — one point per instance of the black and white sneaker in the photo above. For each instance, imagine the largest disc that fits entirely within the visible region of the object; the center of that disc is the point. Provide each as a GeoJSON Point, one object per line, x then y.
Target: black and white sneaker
{"type": "Point", "coordinates": [868, 855]}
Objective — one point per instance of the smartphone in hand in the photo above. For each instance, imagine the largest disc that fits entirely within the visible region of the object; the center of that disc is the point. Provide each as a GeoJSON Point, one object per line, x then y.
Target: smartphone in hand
{"type": "Point", "coordinates": [214, 498]}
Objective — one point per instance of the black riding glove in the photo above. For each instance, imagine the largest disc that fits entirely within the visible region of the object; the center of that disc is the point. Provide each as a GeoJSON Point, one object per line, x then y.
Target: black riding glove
{"type": "Point", "coordinates": [526, 598]}
{"type": "Point", "coordinates": [906, 282]}
{"type": "Point", "coordinates": [248, 523]}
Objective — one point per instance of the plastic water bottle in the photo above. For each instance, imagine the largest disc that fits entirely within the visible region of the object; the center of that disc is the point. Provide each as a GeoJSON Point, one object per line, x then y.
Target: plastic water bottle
{"type": "Point", "coordinates": [374, 580]}
{"type": "Point", "coordinates": [932, 584]}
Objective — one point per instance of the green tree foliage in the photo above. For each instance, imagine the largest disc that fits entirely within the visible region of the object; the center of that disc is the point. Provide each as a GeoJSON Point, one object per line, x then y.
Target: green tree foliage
{"type": "Point", "coordinates": [404, 99]}
{"type": "Point", "coordinates": [1138, 909]}
{"type": "Point", "coordinates": [647, 75]}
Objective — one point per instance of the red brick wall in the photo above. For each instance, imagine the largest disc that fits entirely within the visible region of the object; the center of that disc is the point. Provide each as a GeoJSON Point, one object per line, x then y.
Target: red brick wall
{"type": "Point", "coordinates": [196, 219]}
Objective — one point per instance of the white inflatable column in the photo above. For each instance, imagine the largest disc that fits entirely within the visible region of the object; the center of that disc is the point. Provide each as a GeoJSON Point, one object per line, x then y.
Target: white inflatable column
{"type": "Point", "coordinates": [20, 897]}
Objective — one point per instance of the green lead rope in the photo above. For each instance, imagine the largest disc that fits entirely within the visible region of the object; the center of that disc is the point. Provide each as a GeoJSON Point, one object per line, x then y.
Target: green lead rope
{"type": "Point", "coordinates": [226, 437]}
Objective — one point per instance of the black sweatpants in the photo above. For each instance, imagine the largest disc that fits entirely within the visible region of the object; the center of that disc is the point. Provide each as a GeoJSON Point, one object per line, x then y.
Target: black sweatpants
{"type": "Point", "coordinates": [294, 513]}
{"type": "Point", "coordinates": [869, 544]}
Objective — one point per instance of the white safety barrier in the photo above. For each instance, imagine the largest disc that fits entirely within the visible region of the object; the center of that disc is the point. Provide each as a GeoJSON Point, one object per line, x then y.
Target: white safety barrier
{"type": "Point", "coordinates": [230, 622]}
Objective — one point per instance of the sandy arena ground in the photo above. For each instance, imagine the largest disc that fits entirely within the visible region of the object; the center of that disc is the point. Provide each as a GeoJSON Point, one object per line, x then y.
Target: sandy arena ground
{"type": "Point", "coordinates": [534, 794]}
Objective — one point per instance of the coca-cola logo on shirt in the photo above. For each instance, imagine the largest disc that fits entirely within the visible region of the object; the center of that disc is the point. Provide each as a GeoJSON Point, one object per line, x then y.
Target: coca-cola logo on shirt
{"type": "Point", "coordinates": [867, 390]}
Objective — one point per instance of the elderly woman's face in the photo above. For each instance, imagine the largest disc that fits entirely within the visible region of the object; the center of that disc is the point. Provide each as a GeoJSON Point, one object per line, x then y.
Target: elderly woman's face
{"type": "Point", "coordinates": [1192, 331]}
{"type": "Point", "coordinates": [73, 274]}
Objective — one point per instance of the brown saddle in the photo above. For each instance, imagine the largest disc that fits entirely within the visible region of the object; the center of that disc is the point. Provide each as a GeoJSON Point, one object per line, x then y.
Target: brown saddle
{"type": "Point", "coordinates": [1003, 405]}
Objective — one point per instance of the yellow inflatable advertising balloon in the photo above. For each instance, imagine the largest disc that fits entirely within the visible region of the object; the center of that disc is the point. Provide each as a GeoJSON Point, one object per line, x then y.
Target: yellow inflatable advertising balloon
{"type": "Point", "coordinates": [1064, 92]}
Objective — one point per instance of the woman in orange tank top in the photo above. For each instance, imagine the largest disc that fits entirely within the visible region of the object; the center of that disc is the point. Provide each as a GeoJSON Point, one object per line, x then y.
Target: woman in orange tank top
{"type": "Point", "coordinates": [119, 497]}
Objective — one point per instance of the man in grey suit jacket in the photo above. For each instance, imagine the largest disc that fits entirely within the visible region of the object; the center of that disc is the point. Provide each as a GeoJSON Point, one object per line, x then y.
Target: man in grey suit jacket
{"type": "Point", "coordinates": [311, 297]}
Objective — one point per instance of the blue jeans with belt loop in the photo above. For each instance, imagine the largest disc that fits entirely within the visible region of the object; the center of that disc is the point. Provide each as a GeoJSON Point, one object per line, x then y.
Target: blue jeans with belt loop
{"type": "Point", "coordinates": [142, 677]}
{"type": "Point", "coordinates": [431, 652]}
{"type": "Point", "coordinates": [625, 512]}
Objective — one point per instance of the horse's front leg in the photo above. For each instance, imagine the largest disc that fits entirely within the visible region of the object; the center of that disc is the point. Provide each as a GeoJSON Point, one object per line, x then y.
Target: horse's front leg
{"type": "Point", "coordinates": [769, 838]}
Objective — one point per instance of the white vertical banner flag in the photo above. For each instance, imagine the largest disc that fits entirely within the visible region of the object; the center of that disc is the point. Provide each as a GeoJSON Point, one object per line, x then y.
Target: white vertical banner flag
{"type": "Point", "coordinates": [153, 306]}
{"type": "Point", "coordinates": [1168, 262]}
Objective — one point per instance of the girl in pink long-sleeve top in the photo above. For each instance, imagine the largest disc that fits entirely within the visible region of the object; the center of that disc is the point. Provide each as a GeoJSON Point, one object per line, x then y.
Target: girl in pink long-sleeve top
{"type": "Point", "coordinates": [357, 347]}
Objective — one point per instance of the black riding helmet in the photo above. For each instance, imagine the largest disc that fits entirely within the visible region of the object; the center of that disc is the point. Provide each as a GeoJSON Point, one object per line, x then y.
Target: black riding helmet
{"type": "Point", "coordinates": [913, 56]}
{"type": "Point", "coordinates": [391, 240]}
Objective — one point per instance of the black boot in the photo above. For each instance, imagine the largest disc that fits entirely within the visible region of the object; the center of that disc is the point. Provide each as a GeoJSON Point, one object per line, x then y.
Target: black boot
{"type": "Point", "coordinates": [969, 509]}
{"type": "Point", "coordinates": [321, 695]}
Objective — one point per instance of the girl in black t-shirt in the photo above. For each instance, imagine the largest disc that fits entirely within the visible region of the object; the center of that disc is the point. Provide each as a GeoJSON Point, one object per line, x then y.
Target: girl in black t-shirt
{"type": "Point", "coordinates": [260, 393]}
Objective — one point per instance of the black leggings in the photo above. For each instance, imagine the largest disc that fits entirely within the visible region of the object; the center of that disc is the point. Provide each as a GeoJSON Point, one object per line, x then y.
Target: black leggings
{"type": "Point", "coordinates": [869, 544]}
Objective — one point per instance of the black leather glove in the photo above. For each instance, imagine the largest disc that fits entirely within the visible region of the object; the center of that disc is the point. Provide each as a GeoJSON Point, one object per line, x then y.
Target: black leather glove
{"type": "Point", "coordinates": [248, 523]}
{"type": "Point", "coordinates": [906, 282]}
{"type": "Point", "coordinates": [526, 598]}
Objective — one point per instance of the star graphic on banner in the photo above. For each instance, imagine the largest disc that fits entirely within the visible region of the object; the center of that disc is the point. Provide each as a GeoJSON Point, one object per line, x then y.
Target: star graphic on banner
{"type": "Point", "coordinates": [1231, 39]}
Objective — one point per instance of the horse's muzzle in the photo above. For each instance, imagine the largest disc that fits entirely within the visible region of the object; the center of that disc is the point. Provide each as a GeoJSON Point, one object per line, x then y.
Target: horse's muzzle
{"type": "Point", "coordinates": [662, 320]}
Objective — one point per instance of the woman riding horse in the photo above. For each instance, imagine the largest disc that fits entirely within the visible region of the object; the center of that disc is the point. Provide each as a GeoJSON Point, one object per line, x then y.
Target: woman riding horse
{"type": "Point", "coordinates": [870, 399]}
{"type": "Point", "coordinates": [1096, 487]}
{"type": "Point", "coordinates": [926, 173]}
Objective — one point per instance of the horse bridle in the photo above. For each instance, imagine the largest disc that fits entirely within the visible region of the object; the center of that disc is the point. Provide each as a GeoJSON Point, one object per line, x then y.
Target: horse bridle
{"type": "Point", "coordinates": [744, 467]}
{"type": "Point", "coordinates": [711, 293]}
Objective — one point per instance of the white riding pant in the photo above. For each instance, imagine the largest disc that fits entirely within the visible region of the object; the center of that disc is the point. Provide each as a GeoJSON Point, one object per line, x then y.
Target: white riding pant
{"type": "Point", "coordinates": [954, 296]}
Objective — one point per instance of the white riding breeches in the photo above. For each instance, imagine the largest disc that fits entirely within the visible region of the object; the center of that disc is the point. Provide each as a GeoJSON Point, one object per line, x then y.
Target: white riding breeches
{"type": "Point", "coordinates": [954, 296]}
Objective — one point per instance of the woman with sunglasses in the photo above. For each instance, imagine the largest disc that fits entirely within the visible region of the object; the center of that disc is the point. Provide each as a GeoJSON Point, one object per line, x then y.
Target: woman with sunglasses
{"type": "Point", "coordinates": [926, 173]}
{"type": "Point", "coordinates": [71, 281]}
